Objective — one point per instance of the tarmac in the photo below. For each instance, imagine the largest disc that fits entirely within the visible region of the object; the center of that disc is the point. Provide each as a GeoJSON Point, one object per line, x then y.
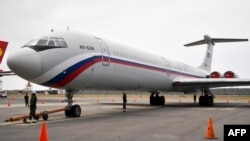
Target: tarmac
{"type": "Point", "coordinates": [103, 119]}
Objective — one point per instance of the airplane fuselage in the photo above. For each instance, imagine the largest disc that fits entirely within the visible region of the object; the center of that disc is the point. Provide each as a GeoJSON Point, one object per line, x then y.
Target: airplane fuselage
{"type": "Point", "coordinates": [83, 61]}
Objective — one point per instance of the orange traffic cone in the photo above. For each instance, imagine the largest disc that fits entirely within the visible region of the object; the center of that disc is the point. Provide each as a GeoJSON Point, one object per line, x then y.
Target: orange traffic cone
{"type": "Point", "coordinates": [9, 103]}
{"type": "Point", "coordinates": [44, 133]}
{"type": "Point", "coordinates": [210, 130]}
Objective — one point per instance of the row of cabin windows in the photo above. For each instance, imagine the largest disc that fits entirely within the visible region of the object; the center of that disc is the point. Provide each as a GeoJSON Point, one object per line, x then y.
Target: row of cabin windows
{"type": "Point", "coordinates": [133, 57]}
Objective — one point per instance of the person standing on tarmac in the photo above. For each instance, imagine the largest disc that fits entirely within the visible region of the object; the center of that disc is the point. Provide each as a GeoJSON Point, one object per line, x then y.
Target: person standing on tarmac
{"type": "Point", "coordinates": [124, 98]}
{"type": "Point", "coordinates": [194, 98]}
{"type": "Point", "coordinates": [26, 99]}
{"type": "Point", "coordinates": [33, 101]}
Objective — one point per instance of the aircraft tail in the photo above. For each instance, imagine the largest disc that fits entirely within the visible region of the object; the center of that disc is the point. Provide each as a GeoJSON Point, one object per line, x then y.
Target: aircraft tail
{"type": "Point", "coordinates": [207, 62]}
{"type": "Point", "coordinates": [3, 46]}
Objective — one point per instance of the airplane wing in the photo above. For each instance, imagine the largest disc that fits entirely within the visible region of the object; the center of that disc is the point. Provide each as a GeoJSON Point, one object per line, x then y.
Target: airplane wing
{"type": "Point", "coordinates": [203, 83]}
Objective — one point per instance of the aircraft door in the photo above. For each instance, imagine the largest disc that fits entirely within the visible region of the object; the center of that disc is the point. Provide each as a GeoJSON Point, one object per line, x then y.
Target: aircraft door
{"type": "Point", "coordinates": [105, 52]}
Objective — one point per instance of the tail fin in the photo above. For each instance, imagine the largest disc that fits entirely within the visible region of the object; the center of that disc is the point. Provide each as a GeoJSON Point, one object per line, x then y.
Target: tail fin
{"type": "Point", "coordinates": [207, 62]}
{"type": "Point", "coordinates": [3, 46]}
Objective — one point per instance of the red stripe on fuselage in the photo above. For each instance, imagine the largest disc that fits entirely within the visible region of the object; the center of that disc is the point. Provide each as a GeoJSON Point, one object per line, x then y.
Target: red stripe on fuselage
{"type": "Point", "coordinates": [72, 76]}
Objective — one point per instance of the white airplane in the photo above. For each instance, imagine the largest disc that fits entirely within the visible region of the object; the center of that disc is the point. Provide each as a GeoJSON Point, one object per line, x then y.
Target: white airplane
{"type": "Point", "coordinates": [72, 61]}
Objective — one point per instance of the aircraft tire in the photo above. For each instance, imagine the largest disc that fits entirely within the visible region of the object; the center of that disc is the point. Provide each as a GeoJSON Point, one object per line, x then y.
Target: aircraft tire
{"type": "Point", "coordinates": [76, 111]}
{"type": "Point", "coordinates": [152, 100]}
{"type": "Point", "coordinates": [158, 100]}
{"type": "Point", "coordinates": [201, 100]}
{"type": "Point", "coordinates": [206, 101]}
{"type": "Point", "coordinates": [68, 113]}
{"type": "Point", "coordinates": [210, 101]}
{"type": "Point", "coordinates": [162, 100]}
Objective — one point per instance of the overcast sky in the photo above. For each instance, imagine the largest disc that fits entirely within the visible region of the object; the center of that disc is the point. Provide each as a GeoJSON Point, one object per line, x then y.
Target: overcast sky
{"type": "Point", "coordinates": [159, 26]}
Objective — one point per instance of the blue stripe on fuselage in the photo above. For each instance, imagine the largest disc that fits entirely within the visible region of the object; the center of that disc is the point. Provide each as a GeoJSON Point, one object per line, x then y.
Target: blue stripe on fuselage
{"type": "Point", "coordinates": [69, 71]}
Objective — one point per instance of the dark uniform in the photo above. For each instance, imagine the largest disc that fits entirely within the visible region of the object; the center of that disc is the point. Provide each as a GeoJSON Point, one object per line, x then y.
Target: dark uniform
{"type": "Point", "coordinates": [195, 98]}
{"type": "Point", "coordinates": [33, 101]}
{"type": "Point", "coordinates": [124, 102]}
{"type": "Point", "coordinates": [26, 98]}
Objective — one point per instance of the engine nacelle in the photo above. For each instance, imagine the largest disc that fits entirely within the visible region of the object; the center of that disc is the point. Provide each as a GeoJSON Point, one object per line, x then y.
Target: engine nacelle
{"type": "Point", "coordinates": [230, 74]}
{"type": "Point", "coordinates": [215, 74]}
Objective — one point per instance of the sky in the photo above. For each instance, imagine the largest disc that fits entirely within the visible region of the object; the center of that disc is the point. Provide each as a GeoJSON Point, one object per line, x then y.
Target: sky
{"type": "Point", "coordinates": [159, 26]}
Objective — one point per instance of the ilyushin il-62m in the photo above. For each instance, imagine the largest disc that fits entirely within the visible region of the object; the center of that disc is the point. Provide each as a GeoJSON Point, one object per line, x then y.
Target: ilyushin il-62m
{"type": "Point", "coordinates": [72, 61]}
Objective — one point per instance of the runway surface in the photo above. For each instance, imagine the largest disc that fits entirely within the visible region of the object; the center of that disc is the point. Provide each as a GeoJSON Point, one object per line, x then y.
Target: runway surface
{"type": "Point", "coordinates": [103, 120]}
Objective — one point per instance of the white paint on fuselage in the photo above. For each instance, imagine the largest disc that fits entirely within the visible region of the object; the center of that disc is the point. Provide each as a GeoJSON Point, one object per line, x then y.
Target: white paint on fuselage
{"type": "Point", "coordinates": [127, 69]}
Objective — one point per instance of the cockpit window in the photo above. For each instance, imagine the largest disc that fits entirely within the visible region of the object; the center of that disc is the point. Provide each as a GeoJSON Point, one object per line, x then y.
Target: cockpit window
{"type": "Point", "coordinates": [31, 42]}
{"type": "Point", "coordinates": [51, 43]}
{"type": "Point", "coordinates": [42, 42]}
{"type": "Point", "coordinates": [58, 44]}
{"type": "Point", "coordinates": [45, 43]}
{"type": "Point", "coordinates": [64, 44]}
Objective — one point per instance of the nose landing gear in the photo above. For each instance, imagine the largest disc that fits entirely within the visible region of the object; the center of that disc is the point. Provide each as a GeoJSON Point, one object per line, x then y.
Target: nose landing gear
{"type": "Point", "coordinates": [73, 110]}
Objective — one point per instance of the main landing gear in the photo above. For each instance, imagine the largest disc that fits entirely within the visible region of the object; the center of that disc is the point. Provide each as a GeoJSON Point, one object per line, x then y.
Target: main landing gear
{"type": "Point", "coordinates": [155, 99]}
{"type": "Point", "coordinates": [206, 99]}
{"type": "Point", "coordinates": [74, 110]}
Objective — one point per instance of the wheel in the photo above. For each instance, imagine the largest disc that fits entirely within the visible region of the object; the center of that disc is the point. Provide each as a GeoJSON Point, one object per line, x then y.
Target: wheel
{"type": "Point", "coordinates": [210, 101]}
{"type": "Point", "coordinates": [151, 100]}
{"type": "Point", "coordinates": [201, 100]}
{"type": "Point", "coordinates": [162, 100]}
{"type": "Point", "coordinates": [68, 113]}
{"type": "Point", "coordinates": [76, 111]}
{"type": "Point", "coordinates": [206, 101]}
{"type": "Point", "coordinates": [157, 100]}
{"type": "Point", "coordinates": [45, 116]}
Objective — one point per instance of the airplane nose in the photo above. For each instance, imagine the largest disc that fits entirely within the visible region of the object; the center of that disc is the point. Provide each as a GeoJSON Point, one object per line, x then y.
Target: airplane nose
{"type": "Point", "coordinates": [26, 63]}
